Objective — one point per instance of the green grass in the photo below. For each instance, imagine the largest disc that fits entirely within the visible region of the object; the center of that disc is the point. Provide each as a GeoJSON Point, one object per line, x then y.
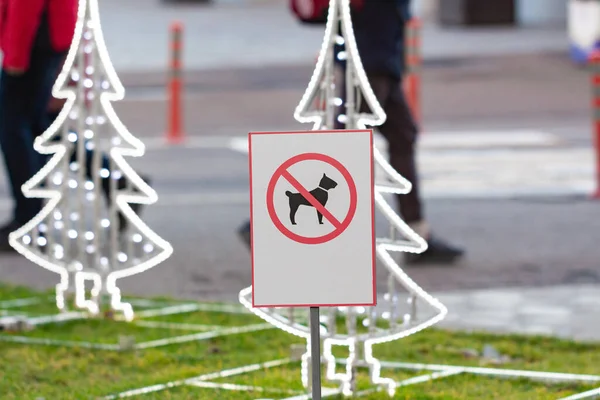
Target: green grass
{"type": "Point", "coordinates": [35, 371]}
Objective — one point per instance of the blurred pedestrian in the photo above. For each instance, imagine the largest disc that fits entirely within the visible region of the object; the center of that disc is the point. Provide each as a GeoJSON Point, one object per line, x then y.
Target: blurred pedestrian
{"type": "Point", "coordinates": [34, 38]}
{"type": "Point", "coordinates": [379, 28]}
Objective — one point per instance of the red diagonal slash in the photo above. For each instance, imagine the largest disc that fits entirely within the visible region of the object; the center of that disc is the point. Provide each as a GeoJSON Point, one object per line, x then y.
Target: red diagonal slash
{"type": "Point", "coordinates": [311, 199]}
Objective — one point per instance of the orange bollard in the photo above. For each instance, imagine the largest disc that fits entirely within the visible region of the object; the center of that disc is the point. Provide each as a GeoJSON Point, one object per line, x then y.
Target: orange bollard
{"type": "Point", "coordinates": [174, 117]}
{"type": "Point", "coordinates": [413, 63]}
{"type": "Point", "coordinates": [595, 66]}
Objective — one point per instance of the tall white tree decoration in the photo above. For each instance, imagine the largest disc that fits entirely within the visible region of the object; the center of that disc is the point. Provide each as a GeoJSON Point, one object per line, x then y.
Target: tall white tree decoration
{"type": "Point", "coordinates": [386, 322]}
{"type": "Point", "coordinates": [79, 234]}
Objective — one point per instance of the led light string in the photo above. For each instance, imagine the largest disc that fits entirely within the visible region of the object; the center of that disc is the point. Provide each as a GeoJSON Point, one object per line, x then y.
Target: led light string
{"type": "Point", "coordinates": [322, 84]}
{"type": "Point", "coordinates": [83, 254]}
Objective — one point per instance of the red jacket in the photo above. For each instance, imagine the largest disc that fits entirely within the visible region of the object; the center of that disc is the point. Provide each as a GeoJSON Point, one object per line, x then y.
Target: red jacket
{"type": "Point", "coordinates": [19, 22]}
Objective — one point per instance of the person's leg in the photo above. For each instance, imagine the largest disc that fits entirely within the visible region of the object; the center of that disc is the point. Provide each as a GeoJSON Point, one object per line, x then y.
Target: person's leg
{"type": "Point", "coordinates": [382, 90]}
{"type": "Point", "coordinates": [16, 140]}
{"type": "Point", "coordinates": [401, 134]}
{"type": "Point", "coordinates": [244, 231]}
{"type": "Point", "coordinates": [44, 68]}
{"type": "Point", "coordinates": [105, 181]}
{"type": "Point", "coordinates": [52, 115]}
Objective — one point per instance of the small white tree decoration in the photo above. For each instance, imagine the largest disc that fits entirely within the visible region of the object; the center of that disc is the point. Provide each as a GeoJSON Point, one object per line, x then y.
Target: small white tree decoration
{"type": "Point", "coordinates": [76, 234]}
{"type": "Point", "coordinates": [322, 90]}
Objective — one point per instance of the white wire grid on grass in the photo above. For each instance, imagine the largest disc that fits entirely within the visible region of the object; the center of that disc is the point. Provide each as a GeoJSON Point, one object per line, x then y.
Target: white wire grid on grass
{"type": "Point", "coordinates": [152, 309]}
{"type": "Point", "coordinates": [431, 372]}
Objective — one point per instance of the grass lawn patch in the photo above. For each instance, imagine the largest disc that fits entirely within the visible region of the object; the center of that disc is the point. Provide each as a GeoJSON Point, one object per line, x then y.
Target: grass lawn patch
{"type": "Point", "coordinates": [57, 372]}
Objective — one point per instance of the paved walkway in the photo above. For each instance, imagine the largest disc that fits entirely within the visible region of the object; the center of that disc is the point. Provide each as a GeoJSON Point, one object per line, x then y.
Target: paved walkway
{"type": "Point", "coordinates": [571, 311]}
{"type": "Point", "coordinates": [534, 92]}
{"type": "Point", "coordinates": [203, 198]}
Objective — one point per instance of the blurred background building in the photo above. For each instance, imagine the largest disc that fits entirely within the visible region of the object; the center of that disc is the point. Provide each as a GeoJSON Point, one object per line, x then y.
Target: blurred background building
{"type": "Point", "coordinates": [524, 12]}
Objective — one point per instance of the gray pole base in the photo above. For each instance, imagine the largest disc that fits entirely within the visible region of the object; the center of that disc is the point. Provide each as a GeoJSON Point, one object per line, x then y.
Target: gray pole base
{"type": "Point", "coordinates": [315, 353]}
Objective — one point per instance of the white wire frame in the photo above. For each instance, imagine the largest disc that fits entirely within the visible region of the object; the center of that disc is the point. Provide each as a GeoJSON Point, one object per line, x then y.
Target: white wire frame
{"type": "Point", "coordinates": [431, 372]}
{"type": "Point", "coordinates": [199, 332]}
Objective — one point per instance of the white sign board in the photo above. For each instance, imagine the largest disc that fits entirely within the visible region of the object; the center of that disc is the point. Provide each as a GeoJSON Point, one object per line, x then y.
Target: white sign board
{"type": "Point", "coordinates": [312, 218]}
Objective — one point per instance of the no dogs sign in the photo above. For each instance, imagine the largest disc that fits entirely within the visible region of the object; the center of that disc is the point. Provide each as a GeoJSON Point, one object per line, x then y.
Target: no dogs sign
{"type": "Point", "coordinates": [312, 210]}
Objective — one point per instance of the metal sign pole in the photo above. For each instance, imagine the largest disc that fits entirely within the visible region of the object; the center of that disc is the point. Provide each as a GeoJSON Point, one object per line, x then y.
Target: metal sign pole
{"type": "Point", "coordinates": [315, 352]}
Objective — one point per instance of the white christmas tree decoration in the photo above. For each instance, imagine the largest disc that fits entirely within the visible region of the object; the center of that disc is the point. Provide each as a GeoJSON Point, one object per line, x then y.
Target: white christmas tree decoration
{"type": "Point", "coordinates": [322, 90]}
{"type": "Point", "coordinates": [78, 234]}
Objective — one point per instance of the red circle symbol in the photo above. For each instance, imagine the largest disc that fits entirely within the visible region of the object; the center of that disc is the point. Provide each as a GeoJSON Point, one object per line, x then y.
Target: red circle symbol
{"type": "Point", "coordinates": [282, 172]}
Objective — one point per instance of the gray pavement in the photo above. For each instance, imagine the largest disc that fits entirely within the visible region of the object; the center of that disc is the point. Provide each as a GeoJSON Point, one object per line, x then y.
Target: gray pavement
{"type": "Point", "coordinates": [521, 242]}
{"type": "Point", "coordinates": [566, 311]}
{"type": "Point", "coordinates": [535, 91]}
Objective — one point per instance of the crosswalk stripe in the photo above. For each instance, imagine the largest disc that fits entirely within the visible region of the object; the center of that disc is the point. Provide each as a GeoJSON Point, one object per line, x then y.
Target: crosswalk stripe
{"type": "Point", "coordinates": [466, 140]}
{"type": "Point", "coordinates": [518, 138]}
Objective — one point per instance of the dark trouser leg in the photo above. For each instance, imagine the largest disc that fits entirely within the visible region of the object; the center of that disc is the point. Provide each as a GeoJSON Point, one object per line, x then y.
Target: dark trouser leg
{"type": "Point", "coordinates": [20, 158]}
{"type": "Point", "coordinates": [44, 69]}
{"type": "Point", "coordinates": [400, 131]}
{"type": "Point", "coordinates": [23, 101]}
{"type": "Point", "coordinates": [88, 159]}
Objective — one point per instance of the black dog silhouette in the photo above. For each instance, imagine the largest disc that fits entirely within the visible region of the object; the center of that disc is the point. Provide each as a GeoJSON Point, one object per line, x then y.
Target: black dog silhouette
{"type": "Point", "coordinates": [320, 194]}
